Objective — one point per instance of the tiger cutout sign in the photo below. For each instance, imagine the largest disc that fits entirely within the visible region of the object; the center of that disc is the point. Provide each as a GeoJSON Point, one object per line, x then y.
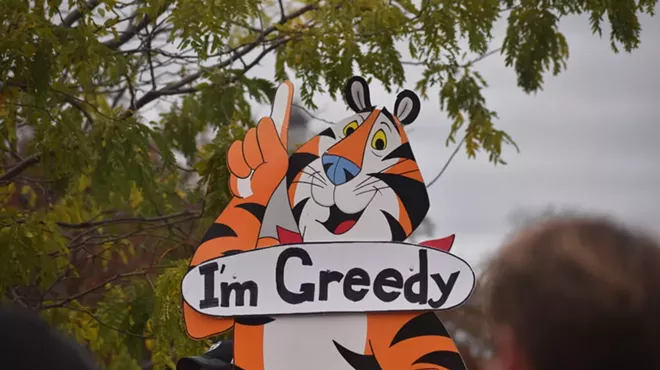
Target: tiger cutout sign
{"type": "Point", "coordinates": [308, 262]}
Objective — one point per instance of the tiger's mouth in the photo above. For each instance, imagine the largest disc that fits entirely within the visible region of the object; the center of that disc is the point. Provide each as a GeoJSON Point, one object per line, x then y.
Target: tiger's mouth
{"type": "Point", "coordinates": [339, 222]}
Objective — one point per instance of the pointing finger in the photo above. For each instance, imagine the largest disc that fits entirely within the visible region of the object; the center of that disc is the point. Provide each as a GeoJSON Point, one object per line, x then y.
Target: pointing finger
{"type": "Point", "coordinates": [271, 147]}
{"type": "Point", "coordinates": [281, 111]}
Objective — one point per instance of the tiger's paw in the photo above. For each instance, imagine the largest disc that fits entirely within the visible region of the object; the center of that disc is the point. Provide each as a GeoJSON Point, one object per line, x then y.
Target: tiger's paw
{"type": "Point", "coordinates": [259, 162]}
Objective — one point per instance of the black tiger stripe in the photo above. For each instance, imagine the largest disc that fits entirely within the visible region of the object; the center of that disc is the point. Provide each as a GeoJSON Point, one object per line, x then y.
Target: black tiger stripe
{"type": "Point", "coordinates": [398, 234]}
{"type": "Point", "coordinates": [297, 210]}
{"type": "Point", "coordinates": [297, 163]}
{"type": "Point", "coordinates": [422, 325]}
{"type": "Point", "coordinates": [447, 359]}
{"type": "Point", "coordinates": [231, 252]}
{"type": "Point", "coordinates": [412, 193]}
{"type": "Point", "coordinates": [356, 360]}
{"type": "Point", "coordinates": [218, 230]}
{"type": "Point", "coordinates": [329, 133]}
{"type": "Point", "coordinates": [402, 151]}
{"type": "Point", "coordinates": [257, 210]}
{"type": "Point", "coordinates": [390, 117]}
{"type": "Point", "coordinates": [253, 320]}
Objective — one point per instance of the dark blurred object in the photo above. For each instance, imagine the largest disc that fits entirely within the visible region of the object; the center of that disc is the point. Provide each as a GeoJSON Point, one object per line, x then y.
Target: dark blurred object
{"type": "Point", "coordinates": [29, 343]}
{"type": "Point", "coordinates": [218, 357]}
{"type": "Point", "coordinates": [298, 126]}
{"type": "Point", "coordinates": [576, 293]}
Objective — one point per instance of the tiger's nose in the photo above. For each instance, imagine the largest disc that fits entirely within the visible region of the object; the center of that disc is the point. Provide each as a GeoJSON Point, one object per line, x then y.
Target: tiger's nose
{"type": "Point", "coordinates": [339, 169]}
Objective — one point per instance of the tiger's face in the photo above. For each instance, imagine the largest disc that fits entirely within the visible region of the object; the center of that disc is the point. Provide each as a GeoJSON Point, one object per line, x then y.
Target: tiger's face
{"type": "Point", "coordinates": [359, 180]}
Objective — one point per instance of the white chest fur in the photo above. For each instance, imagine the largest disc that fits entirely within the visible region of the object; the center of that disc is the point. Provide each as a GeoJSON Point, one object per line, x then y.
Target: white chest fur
{"type": "Point", "coordinates": [306, 342]}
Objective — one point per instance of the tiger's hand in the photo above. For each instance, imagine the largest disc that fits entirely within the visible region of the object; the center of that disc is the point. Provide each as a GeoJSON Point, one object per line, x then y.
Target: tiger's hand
{"type": "Point", "coordinates": [258, 164]}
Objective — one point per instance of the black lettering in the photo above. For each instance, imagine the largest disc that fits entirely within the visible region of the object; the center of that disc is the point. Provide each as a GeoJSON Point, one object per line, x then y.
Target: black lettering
{"type": "Point", "coordinates": [422, 278]}
{"type": "Point", "coordinates": [356, 277]}
{"type": "Point", "coordinates": [306, 289]}
{"type": "Point", "coordinates": [445, 288]}
{"type": "Point", "coordinates": [325, 279]}
{"type": "Point", "coordinates": [390, 278]}
{"type": "Point", "coordinates": [240, 289]}
{"type": "Point", "coordinates": [210, 300]}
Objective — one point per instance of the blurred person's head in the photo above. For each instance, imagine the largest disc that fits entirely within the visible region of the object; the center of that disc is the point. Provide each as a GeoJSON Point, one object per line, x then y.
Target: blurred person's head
{"type": "Point", "coordinates": [29, 343]}
{"type": "Point", "coordinates": [575, 293]}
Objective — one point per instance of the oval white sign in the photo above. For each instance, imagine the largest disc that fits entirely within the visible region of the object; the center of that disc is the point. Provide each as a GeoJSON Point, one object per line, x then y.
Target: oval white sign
{"type": "Point", "coordinates": [329, 278]}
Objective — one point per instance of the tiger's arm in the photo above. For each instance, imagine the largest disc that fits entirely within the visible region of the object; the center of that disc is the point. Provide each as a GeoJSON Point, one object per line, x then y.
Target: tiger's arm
{"type": "Point", "coordinates": [235, 230]}
{"type": "Point", "coordinates": [257, 165]}
{"type": "Point", "coordinates": [411, 341]}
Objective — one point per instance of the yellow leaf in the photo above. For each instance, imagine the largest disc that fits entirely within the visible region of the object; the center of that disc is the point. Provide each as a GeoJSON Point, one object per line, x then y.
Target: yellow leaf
{"type": "Point", "coordinates": [136, 196]}
{"type": "Point", "coordinates": [84, 182]}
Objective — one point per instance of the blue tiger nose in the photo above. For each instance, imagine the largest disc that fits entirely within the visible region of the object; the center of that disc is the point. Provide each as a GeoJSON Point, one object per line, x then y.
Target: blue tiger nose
{"type": "Point", "coordinates": [339, 169]}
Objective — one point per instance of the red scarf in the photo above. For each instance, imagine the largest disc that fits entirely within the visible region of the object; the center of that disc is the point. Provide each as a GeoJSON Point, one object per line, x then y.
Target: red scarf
{"type": "Point", "coordinates": [290, 237]}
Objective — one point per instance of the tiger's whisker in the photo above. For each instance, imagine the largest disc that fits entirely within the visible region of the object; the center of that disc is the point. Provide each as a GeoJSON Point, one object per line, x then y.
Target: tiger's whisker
{"type": "Point", "coordinates": [306, 182]}
{"type": "Point", "coordinates": [316, 176]}
{"type": "Point", "coordinates": [369, 177]}
{"type": "Point", "coordinates": [315, 173]}
{"type": "Point", "coordinates": [365, 185]}
{"type": "Point", "coordinates": [374, 189]}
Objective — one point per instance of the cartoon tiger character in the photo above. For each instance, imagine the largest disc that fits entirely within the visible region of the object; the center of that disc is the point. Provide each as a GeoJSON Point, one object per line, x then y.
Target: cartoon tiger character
{"type": "Point", "coordinates": [356, 181]}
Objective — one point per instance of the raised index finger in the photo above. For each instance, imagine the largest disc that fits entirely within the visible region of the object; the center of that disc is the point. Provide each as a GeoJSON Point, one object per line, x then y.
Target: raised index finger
{"type": "Point", "coordinates": [281, 111]}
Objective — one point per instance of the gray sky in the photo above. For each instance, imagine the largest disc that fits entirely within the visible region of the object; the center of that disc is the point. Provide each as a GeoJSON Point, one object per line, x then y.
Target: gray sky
{"type": "Point", "coordinates": [588, 142]}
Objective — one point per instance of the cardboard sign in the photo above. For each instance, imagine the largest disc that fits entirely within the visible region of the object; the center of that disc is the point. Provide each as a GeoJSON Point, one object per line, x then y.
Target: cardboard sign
{"type": "Point", "coordinates": [307, 263]}
{"type": "Point", "coordinates": [328, 278]}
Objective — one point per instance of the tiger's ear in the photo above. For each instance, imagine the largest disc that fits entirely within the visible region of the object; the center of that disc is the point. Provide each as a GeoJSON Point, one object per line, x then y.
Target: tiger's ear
{"type": "Point", "coordinates": [357, 95]}
{"type": "Point", "coordinates": [407, 107]}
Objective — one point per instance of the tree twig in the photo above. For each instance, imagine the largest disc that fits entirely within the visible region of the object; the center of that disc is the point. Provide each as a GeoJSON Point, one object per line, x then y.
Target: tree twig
{"type": "Point", "coordinates": [76, 296]}
{"type": "Point", "coordinates": [451, 158]}
{"type": "Point", "coordinates": [20, 167]}
{"type": "Point", "coordinates": [166, 90]}
{"type": "Point", "coordinates": [77, 13]}
{"type": "Point", "coordinates": [460, 144]}
{"type": "Point", "coordinates": [134, 29]}
{"type": "Point", "coordinates": [95, 318]}
{"type": "Point", "coordinates": [86, 225]}
{"type": "Point", "coordinates": [282, 15]}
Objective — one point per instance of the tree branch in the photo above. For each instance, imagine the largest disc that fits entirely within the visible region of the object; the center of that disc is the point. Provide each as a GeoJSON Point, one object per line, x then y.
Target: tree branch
{"type": "Point", "coordinates": [120, 220]}
{"type": "Point", "coordinates": [155, 94]}
{"type": "Point", "coordinates": [134, 29]}
{"type": "Point", "coordinates": [77, 13]}
{"type": "Point", "coordinates": [64, 302]}
{"type": "Point", "coordinates": [20, 167]}
{"type": "Point", "coordinates": [282, 15]}
{"type": "Point", "coordinates": [91, 315]}
{"type": "Point", "coordinates": [76, 104]}
{"type": "Point", "coordinates": [451, 158]}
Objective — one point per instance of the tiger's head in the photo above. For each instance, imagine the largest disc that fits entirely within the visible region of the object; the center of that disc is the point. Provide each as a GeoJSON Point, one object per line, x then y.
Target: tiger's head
{"type": "Point", "coordinates": [359, 180]}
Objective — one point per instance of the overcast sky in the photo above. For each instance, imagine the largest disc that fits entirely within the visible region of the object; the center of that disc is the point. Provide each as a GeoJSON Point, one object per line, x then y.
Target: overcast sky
{"type": "Point", "coordinates": [589, 142]}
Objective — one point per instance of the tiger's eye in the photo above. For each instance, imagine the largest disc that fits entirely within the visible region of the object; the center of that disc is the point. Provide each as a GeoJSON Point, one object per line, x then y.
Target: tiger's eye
{"type": "Point", "coordinates": [350, 128]}
{"type": "Point", "coordinates": [379, 141]}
